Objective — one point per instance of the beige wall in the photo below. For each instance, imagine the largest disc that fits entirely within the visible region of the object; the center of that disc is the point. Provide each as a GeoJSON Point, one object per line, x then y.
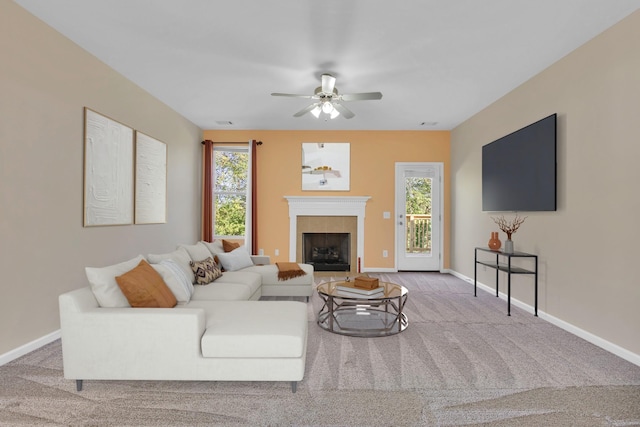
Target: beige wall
{"type": "Point", "coordinates": [373, 157]}
{"type": "Point", "coordinates": [45, 82]}
{"type": "Point", "coordinates": [589, 247]}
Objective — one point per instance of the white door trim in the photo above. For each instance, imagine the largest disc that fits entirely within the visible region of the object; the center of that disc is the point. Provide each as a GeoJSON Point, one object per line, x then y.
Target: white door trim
{"type": "Point", "coordinates": [439, 166]}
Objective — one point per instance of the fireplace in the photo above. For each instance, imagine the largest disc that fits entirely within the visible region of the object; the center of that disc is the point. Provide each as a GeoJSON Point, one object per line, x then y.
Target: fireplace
{"type": "Point", "coordinates": [328, 214]}
{"type": "Point", "coordinates": [327, 251]}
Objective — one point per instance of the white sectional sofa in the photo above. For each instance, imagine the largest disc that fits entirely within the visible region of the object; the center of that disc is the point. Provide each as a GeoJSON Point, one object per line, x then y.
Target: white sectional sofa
{"type": "Point", "coordinates": [270, 285]}
{"type": "Point", "coordinates": [218, 331]}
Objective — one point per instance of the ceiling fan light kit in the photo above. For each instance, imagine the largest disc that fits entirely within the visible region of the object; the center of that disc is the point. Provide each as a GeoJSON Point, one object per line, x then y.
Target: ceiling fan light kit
{"type": "Point", "coordinates": [323, 107]}
{"type": "Point", "coordinates": [316, 111]}
{"type": "Point", "coordinates": [329, 101]}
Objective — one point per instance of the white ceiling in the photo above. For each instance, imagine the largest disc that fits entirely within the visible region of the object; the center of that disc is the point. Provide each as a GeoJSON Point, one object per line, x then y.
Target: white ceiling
{"type": "Point", "coordinates": [434, 60]}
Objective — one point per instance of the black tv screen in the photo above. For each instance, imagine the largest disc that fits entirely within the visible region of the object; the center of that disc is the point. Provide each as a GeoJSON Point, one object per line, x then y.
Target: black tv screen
{"type": "Point", "coordinates": [519, 170]}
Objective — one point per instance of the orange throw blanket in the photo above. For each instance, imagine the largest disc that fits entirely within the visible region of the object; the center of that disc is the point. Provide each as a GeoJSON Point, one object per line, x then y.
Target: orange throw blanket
{"type": "Point", "coordinates": [289, 270]}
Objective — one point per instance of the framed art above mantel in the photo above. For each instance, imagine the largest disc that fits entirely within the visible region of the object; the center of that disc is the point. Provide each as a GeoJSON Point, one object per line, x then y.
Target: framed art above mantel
{"type": "Point", "coordinates": [325, 166]}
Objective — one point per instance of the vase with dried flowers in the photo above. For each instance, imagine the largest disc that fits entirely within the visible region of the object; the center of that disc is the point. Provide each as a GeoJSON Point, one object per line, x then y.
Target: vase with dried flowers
{"type": "Point", "coordinates": [509, 228]}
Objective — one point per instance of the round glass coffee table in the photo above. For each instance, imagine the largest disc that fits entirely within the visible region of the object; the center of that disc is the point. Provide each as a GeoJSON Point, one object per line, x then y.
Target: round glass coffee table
{"type": "Point", "coordinates": [357, 315]}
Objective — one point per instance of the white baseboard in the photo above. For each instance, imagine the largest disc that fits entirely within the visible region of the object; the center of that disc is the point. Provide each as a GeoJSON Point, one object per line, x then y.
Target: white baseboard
{"type": "Point", "coordinates": [585, 335]}
{"type": "Point", "coordinates": [28, 347]}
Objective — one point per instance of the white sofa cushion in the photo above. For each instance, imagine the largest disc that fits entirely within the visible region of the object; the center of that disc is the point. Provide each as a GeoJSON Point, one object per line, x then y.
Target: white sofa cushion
{"type": "Point", "coordinates": [254, 329]}
{"type": "Point", "coordinates": [196, 252]}
{"type": "Point", "coordinates": [180, 256]}
{"type": "Point", "coordinates": [221, 292]}
{"type": "Point", "coordinates": [175, 278]}
{"type": "Point", "coordinates": [233, 285]}
{"type": "Point", "coordinates": [103, 282]}
{"type": "Point", "coordinates": [250, 279]}
{"type": "Point", "coordinates": [214, 247]}
{"type": "Point", "coordinates": [235, 260]}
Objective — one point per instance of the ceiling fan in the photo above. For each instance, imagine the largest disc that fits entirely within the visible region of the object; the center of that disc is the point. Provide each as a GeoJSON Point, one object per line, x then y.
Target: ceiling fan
{"type": "Point", "coordinates": [329, 101]}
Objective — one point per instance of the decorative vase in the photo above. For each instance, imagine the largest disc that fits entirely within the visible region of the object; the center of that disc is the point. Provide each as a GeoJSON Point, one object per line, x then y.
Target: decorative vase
{"type": "Point", "coordinates": [508, 246]}
{"type": "Point", "coordinates": [494, 242]}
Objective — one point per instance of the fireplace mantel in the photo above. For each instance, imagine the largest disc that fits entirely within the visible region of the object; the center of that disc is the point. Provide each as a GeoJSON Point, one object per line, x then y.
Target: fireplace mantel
{"type": "Point", "coordinates": [326, 206]}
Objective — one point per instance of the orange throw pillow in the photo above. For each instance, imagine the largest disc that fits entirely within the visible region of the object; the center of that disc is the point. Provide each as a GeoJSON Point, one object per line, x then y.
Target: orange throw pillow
{"type": "Point", "coordinates": [143, 286]}
{"type": "Point", "coordinates": [229, 246]}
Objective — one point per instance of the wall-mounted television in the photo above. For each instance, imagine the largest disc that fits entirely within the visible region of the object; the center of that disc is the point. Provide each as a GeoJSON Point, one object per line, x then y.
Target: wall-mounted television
{"type": "Point", "coordinates": [519, 170]}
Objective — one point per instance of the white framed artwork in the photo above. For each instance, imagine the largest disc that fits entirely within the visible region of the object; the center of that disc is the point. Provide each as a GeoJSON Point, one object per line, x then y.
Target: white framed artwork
{"type": "Point", "coordinates": [151, 180]}
{"type": "Point", "coordinates": [108, 171]}
{"type": "Point", "coordinates": [325, 166]}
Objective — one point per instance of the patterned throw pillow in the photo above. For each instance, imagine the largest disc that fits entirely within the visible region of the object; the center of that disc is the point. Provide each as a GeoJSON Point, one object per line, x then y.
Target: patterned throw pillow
{"type": "Point", "coordinates": [205, 271]}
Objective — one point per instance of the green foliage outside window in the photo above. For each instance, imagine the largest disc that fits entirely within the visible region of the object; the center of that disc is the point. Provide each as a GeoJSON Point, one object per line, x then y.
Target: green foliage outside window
{"type": "Point", "coordinates": [230, 215]}
{"type": "Point", "coordinates": [418, 202]}
{"type": "Point", "coordinates": [418, 195]}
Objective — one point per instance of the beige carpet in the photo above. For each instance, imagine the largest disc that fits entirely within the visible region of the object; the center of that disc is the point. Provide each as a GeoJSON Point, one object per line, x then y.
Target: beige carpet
{"type": "Point", "coordinates": [461, 361]}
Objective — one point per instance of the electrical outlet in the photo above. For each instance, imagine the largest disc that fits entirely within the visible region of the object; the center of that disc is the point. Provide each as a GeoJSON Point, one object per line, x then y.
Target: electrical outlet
{"type": "Point", "coordinates": [260, 251]}
{"type": "Point", "coordinates": [385, 253]}
{"type": "Point", "coordinates": [277, 252]}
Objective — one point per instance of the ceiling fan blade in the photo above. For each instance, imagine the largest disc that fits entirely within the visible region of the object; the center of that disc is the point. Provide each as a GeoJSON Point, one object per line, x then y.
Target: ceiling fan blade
{"type": "Point", "coordinates": [305, 110]}
{"type": "Point", "coordinates": [361, 96]}
{"type": "Point", "coordinates": [293, 95]}
{"type": "Point", "coordinates": [328, 83]}
{"type": "Point", "coordinates": [346, 113]}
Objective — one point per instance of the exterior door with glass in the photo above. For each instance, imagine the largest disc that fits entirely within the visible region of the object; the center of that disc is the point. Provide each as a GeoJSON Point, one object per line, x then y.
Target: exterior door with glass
{"type": "Point", "coordinates": [418, 216]}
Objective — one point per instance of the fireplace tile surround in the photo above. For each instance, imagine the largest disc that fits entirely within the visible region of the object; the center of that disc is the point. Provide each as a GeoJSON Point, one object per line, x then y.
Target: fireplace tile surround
{"type": "Point", "coordinates": [327, 214]}
{"type": "Point", "coordinates": [328, 224]}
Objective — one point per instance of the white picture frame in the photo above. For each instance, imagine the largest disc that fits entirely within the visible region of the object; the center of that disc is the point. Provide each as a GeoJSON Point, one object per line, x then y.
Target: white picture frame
{"type": "Point", "coordinates": [108, 171]}
{"type": "Point", "coordinates": [325, 166]}
{"type": "Point", "coordinates": [151, 180]}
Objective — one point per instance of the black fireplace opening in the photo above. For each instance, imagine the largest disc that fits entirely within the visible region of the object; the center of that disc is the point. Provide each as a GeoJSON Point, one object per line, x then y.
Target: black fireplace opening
{"type": "Point", "coordinates": [326, 251]}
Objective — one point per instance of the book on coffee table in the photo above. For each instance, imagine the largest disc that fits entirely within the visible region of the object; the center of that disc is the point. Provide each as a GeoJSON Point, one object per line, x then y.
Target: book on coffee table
{"type": "Point", "coordinates": [359, 291]}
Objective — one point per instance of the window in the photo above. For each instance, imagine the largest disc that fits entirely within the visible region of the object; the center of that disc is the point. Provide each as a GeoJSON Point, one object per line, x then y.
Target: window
{"type": "Point", "coordinates": [418, 213]}
{"type": "Point", "coordinates": [230, 191]}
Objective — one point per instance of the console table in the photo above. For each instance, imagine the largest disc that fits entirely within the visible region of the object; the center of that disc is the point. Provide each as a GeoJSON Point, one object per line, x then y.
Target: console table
{"type": "Point", "coordinates": [502, 262]}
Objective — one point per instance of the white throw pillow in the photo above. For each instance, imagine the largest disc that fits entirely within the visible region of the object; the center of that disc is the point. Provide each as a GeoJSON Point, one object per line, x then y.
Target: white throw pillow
{"type": "Point", "coordinates": [237, 259]}
{"type": "Point", "coordinates": [197, 252]}
{"type": "Point", "coordinates": [175, 279]}
{"type": "Point", "coordinates": [103, 282]}
{"type": "Point", "coordinates": [214, 247]}
{"type": "Point", "coordinates": [180, 256]}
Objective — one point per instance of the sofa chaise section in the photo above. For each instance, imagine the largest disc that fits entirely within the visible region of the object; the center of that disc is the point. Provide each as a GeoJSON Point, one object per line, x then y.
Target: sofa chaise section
{"type": "Point", "coordinates": [199, 340]}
